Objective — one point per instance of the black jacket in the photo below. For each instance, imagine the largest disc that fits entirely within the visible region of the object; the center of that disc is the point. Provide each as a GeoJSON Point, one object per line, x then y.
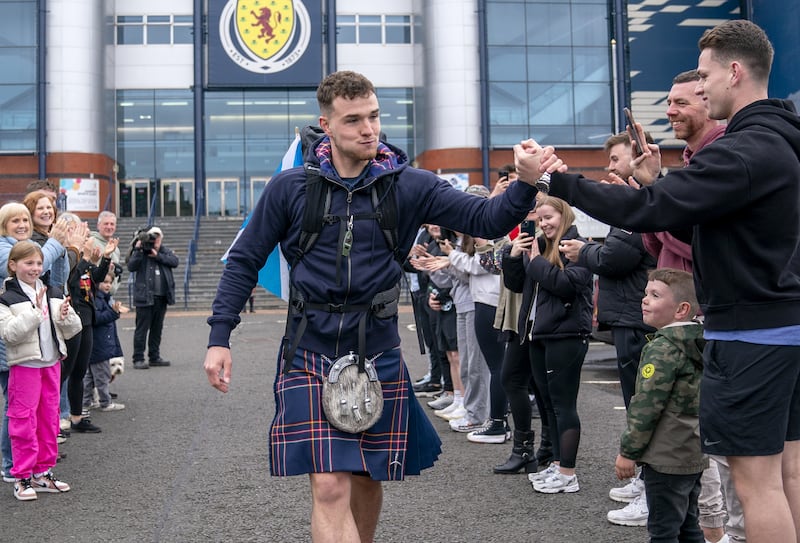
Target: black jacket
{"type": "Point", "coordinates": [741, 192]}
{"type": "Point", "coordinates": [622, 264]}
{"type": "Point", "coordinates": [563, 297]}
{"type": "Point", "coordinates": [145, 268]}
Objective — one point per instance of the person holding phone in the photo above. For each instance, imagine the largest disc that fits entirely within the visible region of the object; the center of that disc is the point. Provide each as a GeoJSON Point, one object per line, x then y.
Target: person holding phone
{"type": "Point", "coordinates": [622, 264]}
{"type": "Point", "coordinates": [557, 298]}
{"type": "Point", "coordinates": [733, 193]}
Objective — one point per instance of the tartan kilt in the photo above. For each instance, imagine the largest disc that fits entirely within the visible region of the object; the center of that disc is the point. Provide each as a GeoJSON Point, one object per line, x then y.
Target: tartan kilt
{"type": "Point", "coordinates": [402, 442]}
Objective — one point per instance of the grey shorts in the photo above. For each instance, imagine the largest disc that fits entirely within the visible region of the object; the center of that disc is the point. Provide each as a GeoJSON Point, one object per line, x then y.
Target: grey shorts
{"type": "Point", "coordinates": [750, 398]}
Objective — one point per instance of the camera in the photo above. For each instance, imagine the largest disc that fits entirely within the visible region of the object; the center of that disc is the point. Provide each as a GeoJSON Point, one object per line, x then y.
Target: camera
{"type": "Point", "coordinates": [147, 240]}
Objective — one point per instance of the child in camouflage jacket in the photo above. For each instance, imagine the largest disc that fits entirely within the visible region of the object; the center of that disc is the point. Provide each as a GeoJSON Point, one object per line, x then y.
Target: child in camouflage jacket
{"type": "Point", "coordinates": [662, 431]}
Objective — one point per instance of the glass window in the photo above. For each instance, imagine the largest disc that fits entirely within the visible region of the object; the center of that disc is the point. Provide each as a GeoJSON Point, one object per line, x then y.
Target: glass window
{"type": "Point", "coordinates": [130, 30]}
{"type": "Point", "coordinates": [18, 117]}
{"type": "Point", "coordinates": [504, 26]}
{"type": "Point", "coordinates": [549, 63]}
{"type": "Point", "coordinates": [507, 64]}
{"type": "Point", "coordinates": [158, 29]}
{"type": "Point", "coordinates": [369, 29]}
{"type": "Point", "coordinates": [398, 29]}
{"type": "Point", "coordinates": [17, 65]}
{"type": "Point", "coordinates": [18, 69]}
{"type": "Point", "coordinates": [345, 29]}
{"type": "Point", "coordinates": [548, 24]}
{"type": "Point", "coordinates": [183, 29]}
{"type": "Point", "coordinates": [590, 25]}
{"type": "Point", "coordinates": [397, 117]}
{"type": "Point", "coordinates": [18, 24]}
{"type": "Point", "coordinates": [559, 50]}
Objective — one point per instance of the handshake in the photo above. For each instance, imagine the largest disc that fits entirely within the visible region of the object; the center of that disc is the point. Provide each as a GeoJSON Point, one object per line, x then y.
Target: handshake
{"type": "Point", "coordinates": [535, 163]}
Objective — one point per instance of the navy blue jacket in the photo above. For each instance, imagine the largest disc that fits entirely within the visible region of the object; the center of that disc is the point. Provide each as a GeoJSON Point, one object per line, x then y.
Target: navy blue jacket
{"type": "Point", "coordinates": [622, 263]}
{"type": "Point", "coordinates": [422, 197]}
{"type": "Point", "coordinates": [106, 342]}
{"type": "Point", "coordinates": [563, 297]}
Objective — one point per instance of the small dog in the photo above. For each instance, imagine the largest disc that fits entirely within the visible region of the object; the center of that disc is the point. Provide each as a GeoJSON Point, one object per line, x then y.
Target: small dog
{"type": "Point", "coordinates": [117, 366]}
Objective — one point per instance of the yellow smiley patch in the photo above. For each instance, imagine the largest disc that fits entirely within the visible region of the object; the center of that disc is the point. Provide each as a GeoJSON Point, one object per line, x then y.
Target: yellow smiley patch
{"type": "Point", "coordinates": [648, 370]}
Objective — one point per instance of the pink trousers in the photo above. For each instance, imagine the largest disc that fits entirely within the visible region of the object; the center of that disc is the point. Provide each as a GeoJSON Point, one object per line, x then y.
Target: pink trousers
{"type": "Point", "coordinates": [33, 411]}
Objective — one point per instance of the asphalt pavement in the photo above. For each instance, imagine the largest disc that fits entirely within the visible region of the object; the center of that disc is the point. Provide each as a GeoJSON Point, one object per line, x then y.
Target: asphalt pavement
{"type": "Point", "coordinates": [186, 463]}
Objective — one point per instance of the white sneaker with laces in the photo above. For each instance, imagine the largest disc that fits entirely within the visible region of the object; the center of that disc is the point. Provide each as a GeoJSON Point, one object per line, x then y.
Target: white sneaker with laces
{"type": "Point", "coordinates": [544, 474]}
{"type": "Point", "coordinates": [464, 425]}
{"type": "Point", "coordinates": [557, 483]}
{"type": "Point", "coordinates": [633, 514]}
{"type": "Point", "coordinates": [457, 413]}
{"type": "Point", "coordinates": [113, 406]}
{"type": "Point", "coordinates": [47, 482]}
{"type": "Point", "coordinates": [627, 493]}
{"type": "Point", "coordinates": [23, 490]}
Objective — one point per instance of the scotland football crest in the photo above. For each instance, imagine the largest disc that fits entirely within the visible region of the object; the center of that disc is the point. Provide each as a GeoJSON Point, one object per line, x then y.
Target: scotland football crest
{"type": "Point", "coordinates": [265, 37]}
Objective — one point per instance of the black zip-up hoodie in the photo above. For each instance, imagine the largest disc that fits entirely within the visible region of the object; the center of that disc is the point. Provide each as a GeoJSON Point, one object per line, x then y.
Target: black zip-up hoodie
{"type": "Point", "coordinates": [563, 296]}
{"type": "Point", "coordinates": [742, 194]}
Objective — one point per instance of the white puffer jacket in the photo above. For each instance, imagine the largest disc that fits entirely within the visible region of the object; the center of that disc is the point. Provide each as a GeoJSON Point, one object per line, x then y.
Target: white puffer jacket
{"type": "Point", "coordinates": [20, 320]}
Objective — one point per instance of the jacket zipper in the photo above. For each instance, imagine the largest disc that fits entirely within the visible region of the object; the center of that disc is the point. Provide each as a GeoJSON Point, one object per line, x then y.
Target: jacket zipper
{"type": "Point", "coordinates": [348, 235]}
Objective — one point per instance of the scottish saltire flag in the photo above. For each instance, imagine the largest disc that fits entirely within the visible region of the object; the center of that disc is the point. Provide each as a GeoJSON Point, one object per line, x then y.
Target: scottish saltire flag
{"type": "Point", "coordinates": [274, 276]}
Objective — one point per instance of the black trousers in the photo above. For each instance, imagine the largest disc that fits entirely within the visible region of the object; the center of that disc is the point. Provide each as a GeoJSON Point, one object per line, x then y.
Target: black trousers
{"type": "Point", "coordinates": [149, 322]}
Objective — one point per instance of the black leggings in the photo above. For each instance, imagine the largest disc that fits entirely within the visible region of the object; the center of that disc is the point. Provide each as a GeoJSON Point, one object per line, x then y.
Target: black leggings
{"type": "Point", "coordinates": [492, 350]}
{"type": "Point", "coordinates": [79, 349]}
{"type": "Point", "coordinates": [517, 378]}
{"type": "Point", "coordinates": [557, 371]}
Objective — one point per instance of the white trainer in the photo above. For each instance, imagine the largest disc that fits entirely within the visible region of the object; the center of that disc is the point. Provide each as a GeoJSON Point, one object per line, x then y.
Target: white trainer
{"type": "Point", "coordinates": [544, 474]}
{"type": "Point", "coordinates": [457, 413]}
{"type": "Point", "coordinates": [557, 483]}
{"type": "Point", "coordinates": [443, 401]}
{"type": "Point", "coordinates": [633, 514]}
{"type": "Point", "coordinates": [449, 409]}
{"type": "Point", "coordinates": [627, 493]}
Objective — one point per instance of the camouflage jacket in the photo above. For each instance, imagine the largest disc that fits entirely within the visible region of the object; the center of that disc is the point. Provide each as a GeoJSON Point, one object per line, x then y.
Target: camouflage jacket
{"type": "Point", "coordinates": [663, 424]}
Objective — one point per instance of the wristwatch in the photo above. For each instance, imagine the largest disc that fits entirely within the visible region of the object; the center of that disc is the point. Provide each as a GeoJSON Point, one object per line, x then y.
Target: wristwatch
{"type": "Point", "coordinates": [543, 183]}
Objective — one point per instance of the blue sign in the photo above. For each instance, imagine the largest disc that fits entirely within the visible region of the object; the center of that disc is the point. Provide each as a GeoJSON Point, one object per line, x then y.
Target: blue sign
{"type": "Point", "coordinates": [782, 30]}
{"type": "Point", "coordinates": [258, 44]}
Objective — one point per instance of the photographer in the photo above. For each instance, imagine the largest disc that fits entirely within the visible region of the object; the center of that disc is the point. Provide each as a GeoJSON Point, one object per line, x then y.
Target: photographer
{"type": "Point", "coordinates": [154, 290]}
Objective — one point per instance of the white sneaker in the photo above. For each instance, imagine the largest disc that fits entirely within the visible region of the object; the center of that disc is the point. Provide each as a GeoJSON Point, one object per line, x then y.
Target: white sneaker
{"type": "Point", "coordinates": [457, 413]}
{"type": "Point", "coordinates": [65, 424]}
{"type": "Point", "coordinates": [444, 400]}
{"type": "Point", "coordinates": [556, 483]}
{"type": "Point", "coordinates": [113, 407]}
{"type": "Point", "coordinates": [544, 474]}
{"type": "Point", "coordinates": [7, 477]}
{"type": "Point", "coordinates": [449, 409]}
{"type": "Point", "coordinates": [633, 514]}
{"type": "Point", "coordinates": [23, 490]}
{"type": "Point", "coordinates": [465, 425]}
{"type": "Point", "coordinates": [627, 493]}
{"type": "Point", "coordinates": [47, 482]}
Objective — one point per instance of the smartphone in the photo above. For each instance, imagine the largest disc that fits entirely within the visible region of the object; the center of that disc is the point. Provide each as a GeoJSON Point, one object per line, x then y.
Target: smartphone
{"type": "Point", "coordinates": [640, 145]}
{"type": "Point", "coordinates": [529, 227]}
{"type": "Point", "coordinates": [502, 173]}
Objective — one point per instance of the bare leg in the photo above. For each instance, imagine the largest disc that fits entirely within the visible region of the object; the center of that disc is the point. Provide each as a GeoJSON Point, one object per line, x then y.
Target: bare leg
{"type": "Point", "coordinates": [331, 517]}
{"type": "Point", "coordinates": [791, 480]}
{"type": "Point", "coordinates": [455, 371]}
{"type": "Point", "coordinates": [759, 485]}
{"type": "Point", "coordinates": [366, 499]}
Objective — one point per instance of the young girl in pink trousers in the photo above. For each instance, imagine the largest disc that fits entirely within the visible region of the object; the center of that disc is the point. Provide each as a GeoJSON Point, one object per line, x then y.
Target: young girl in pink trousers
{"type": "Point", "coordinates": [34, 322]}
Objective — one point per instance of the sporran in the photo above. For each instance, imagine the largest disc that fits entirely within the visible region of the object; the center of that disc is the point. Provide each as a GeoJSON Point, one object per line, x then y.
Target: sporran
{"type": "Point", "coordinates": [352, 400]}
